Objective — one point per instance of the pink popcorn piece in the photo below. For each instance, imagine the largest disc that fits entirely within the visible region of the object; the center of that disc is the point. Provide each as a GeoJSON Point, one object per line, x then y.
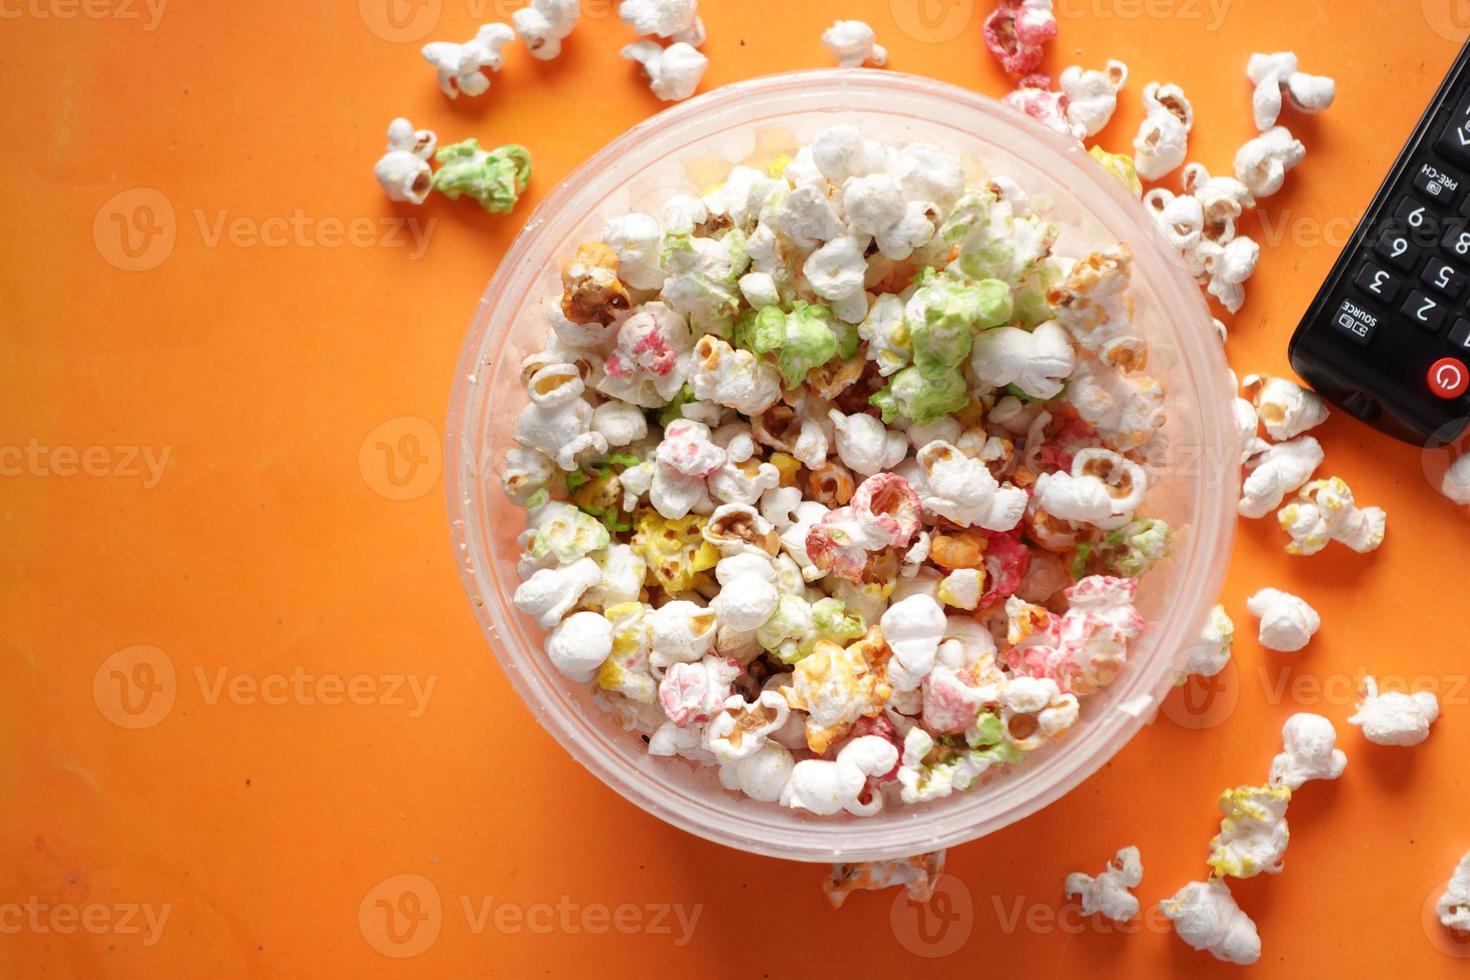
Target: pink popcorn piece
{"type": "Point", "coordinates": [888, 504]}
{"type": "Point", "coordinates": [687, 449]}
{"type": "Point", "coordinates": [692, 693]}
{"type": "Point", "coordinates": [880, 726]}
{"type": "Point", "coordinates": [1085, 648]}
{"type": "Point", "coordinates": [1016, 31]}
{"type": "Point", "coordinates": [1007, 560]}
{"type": "Point", "coordinates": [1035, 99]}
{"type": "Point", "coordinates": [950, 705]}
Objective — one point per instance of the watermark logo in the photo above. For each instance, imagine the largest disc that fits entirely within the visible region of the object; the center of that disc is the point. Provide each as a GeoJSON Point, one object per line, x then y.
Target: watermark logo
{"type": "Point", "coordinates": [401, 458]}
{"type": "Point", "coordinates": [135, 230]}
{"type": "Point", "coordinates": [1204, 702]}
{"type": "Point", "coordinates": [94, 918]}
{"type": "Point", "coordinates": [939, 927]}
{"type": "Point", "coordinates": [400, 21]}
{"type": "Point", "coordinates": [933, 21]}
{"type": "Point", "coordinates": [401, 916]}
{"type": "Point", "coordinates": [1210, 14]}
{"type": "Point", "coordinates": [1450, 942]}
{"type": "Point", "coordinates": [1450, 19]}
{"type": "Point", "coordinates": [135, 688]}
{"type": "Point", "coordinates": [147, 12]}
{"type": "Point", "coordinates": [36, 459]}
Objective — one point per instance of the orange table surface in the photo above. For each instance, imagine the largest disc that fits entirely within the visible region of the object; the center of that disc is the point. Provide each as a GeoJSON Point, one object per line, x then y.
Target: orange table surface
{"type": "Point", "coordinates": [249, 725]}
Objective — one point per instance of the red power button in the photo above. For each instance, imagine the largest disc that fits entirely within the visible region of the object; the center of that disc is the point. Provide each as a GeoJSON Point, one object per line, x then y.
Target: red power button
{"type": "Point", "coordinates": [1448, 378]}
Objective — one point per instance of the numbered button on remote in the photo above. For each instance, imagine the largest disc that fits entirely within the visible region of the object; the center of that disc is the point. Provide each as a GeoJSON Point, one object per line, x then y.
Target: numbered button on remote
{"type": "Point", "coordinates": [1457, 242]}
{"type": "Point", "coordinates": [1426, 311]}
{"type": "Point", "coordinates": [1444, 277]}
{"type": "Point", "coordinates": [1460, 334]}
{"type": "Point", "coordinates": [1420, 221]}
{"type": "Point", "coordinates": [1395, 246]}
{"type": "Point", "coordinates": [1438, 184]}
{"type": "Point", "coordinates": [1379, 283]}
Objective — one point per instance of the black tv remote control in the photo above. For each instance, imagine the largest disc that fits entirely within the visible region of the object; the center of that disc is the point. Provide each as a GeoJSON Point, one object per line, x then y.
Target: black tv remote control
{"type": "Point", "coordinates": [1388, 337]}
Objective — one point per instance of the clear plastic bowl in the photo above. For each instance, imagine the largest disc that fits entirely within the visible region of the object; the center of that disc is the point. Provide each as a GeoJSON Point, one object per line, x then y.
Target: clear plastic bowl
{"type": "Point", "coordinates": [687, 149]}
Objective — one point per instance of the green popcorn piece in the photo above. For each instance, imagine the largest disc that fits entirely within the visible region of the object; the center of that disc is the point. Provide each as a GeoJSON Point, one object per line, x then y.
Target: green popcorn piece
{"type": "Point", "coordinates": [831, 621]}
{"type": "Point", "coordinates": [1032, 306]}
{"type": "Point", "coordinates": [783, 633]}
{"type": "Point", "coordinates": [805, 338]}
{"type": "Point", "coordinates": [736, 247]}
{"type": "Point", "coordinates": [970, 211]}
{"type": "Point", "coordinates": [1127, 552]}
{"type": "Point", "coordinates": [944, 315]}
{"type": "Point", "coordinates": [912, 395]}
{"type": "Point", "coordinates": [596, 492]}
{"type": "Point", "coordinates": [569, 534]}
{"type": "Point", "coordinates": [496, 178]}
{"type": "Point", "coordinates": [1004, 754]}
{"type": "Point", "coordinates": [987, 730]}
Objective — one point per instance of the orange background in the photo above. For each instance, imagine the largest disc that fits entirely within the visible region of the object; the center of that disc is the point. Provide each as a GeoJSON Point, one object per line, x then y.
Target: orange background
{"type": "Point", "coordinates": [271, 545]}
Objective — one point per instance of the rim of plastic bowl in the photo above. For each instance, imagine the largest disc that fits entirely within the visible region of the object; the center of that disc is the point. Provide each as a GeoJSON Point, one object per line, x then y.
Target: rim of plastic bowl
{"type": "Point", "coordinates": [1029, 789]}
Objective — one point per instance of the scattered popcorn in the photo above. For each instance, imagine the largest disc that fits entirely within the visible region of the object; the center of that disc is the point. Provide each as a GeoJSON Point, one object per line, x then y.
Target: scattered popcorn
{"type": "Point", "coordinates": [1395, 718]}
{"type": "Point", "coordinates": [1210, 655]}
{"type": "Point", "coordinates": [1033, 98]}
{"type": "Point", "coordinates": [660, 18]}
{"type": "Point", "coordinates": [1253, 835]}
{"type": "Point", "coordinates": [1275, 76]}
{"type": "Point", "coordinates": [1121, 166]}
{"type": "Point", "coordinates": [1285, 407]}
{"type": "Point", "coordinates": [1277, 471]}
{"type": "Point", "coordinates": [1162, 142]}
{"type": "Point", "coordinates": [1016, 31]}
{"type": "Point", "coordinates": [544, 24]}
{"type": "Point", "coordinates": [495, 178]}
{"type": "Point", "coordinates": [1206, 917]}
{"type": "Point", "coordinates": [460, 67]}
{"type": "Point", "coordinates": [1324, 512]}
{"type": "Point", "coordinates": [1261, 164]}
{"type": "Point", "coordinates": [853, 43]}
{"type": "Point", "coordinates": [1108, 893]}
{"type": "Point", "coordinates": [1454, 905]}
{"type": "Point", "coordinates": [1287, 622]}
{"type": "Point", "coordinates": [404, 171]}
{"type": "Point", "coordinates": [673, 72]}
{"type": "Point", "coordinates": [1309, 752]}
{"type": "Point", "coordinates": [1092, 95]}
{"type": "Point", "coordinates": [918, 876]}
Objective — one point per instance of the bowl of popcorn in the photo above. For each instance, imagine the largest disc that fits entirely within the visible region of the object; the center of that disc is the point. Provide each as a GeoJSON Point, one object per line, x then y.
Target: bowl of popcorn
{"type": "Point", "coordinates": [840, 467]}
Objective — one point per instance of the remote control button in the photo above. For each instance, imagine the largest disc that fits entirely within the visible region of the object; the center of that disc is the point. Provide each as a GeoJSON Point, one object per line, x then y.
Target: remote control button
{"type": "Point", "coordinates": [1437, 184]}
{"type": "Point", "coordinates": [1454, 142]}
{"type": "Point", "coordinates": [1395, 246]}
{"type": "Point", "coordinates": [1447, 378]}
{"type": "Point", "coordinates": [1444, 277]}
{"type": "Point", "coordinates": [1380, 283]}
{"type": "Point", "coordinates": [1457, 242]}
{"type": "Point", "coordinates": [1460, 334]}
{"type": "Point", "coordinates": [1420, 219]}
{"type": "Point", "coordinates": [1428, 313]}
{"type": "Point", "coordinates": [1355, 321]}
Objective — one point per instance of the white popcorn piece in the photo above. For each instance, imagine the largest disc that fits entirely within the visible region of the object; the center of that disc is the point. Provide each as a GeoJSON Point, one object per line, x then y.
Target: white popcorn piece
{"type": "Point", "coordinates": [1205, 916]}
{"type": "Point", "coordinates": [1037, 704]}
{"type": "Point", "coordinates": [864, 445]}
{"type": "Point", "coordinates": [660, 18]}
{"type": "Point", "coordinates": [759, 289]}
{"type": "Point", "coordinates": [544, 24]}
{"type": "Point", "coordinates": [836, 270]}
{"type": "Point", "coordinates": [1080, 499]}
{"type": "Point", "coordinates": [551, 593]}
{"type": "Point", "coordinates": [1276, 75]}
{"type": "Point", "coordinates": [1453, 906]}
{"type": "Point", "coordinates": [460, 67]}
{"type": "Point", "coordinates": [873, 204]}
{"type": "Point", "coordinates": [1162, 142]}
{"type": "Point", "coordinates": [404, 172]}
{"type": "Point", "coordinates": [808, 514]}
{"type": "Point", "coordinates": [1108, 894]}
{"type": "Point", "coordinates": [1253, 833]}
{"type": "Point", "coordinates": [1035, 361]}
{"type": "Point", "coordinates": [962, 587]}
{"type": "Point", "coordinates": [733, 378]}
{"type": "Point", "coordinates": [1288, 623]}
{"type": "Point", "coordinates": [912, 628]}
{"type": "Point", "coordinates": [525, 472]}
{"type": "Point", "coordinates": [638, 240]}
{"type": "Point", "coordinates": [1228, 268]}
{"type": "Point", "coordinates": [842, 151]}
{"type": "Point", "coordinates": [1248, 425]}
{"type": "Point", "coordinates": [686, 742]}
{"type": "Point", "coordinates": [1285, 407]}
{"type": "Point", "coordinates": [928, 174]}
{"type": "Point", "coordinates": [778, 506]}
{"type": "Point", "coordinates": [619, 423]}
{"type": "Point", "coordinates": [1393, 717]}
{"type": "Point", "coordinates": [579, 645]}
{"type": "Point", "coordinates": [853, 43]}
{"type": "Point", "coordinates": [748, 593]}
{"type": "Point", "coordinates": [1456, 482]}
{"type": "Point", "coordinates": [963, 490]}
{"type": "Point", "coordinates": [741, 729]}
{"type": "Point", "coordinates": [1262, 163]}
{"type": "Point", "coordinates": [1279, 470]}
{"type": "Point", "coordinates": [808, 217]}
{"type": "Point", "coordinates": [559, 419]}
{"type": "Point", "coordinates": [680, 632]}
{"type": "Point", "coordinates": [828, 787]}
{"type": "Point", "coordinates": [1092, 95]}
{"type": "Point", "coordinates": [1181, 217]}
{"type": "Point", "coordinates": [888, 338]}
{"type": "Point", "coordinates": [1324, 512]}
{"type": "Point", "coordinates": [1210, 655]}
{"type": "Point", "coordinates": [1309, 751]}
{"type": "Point", "coordinates": [623, 571]}
{"type": "Point", "coordinates": [761, 776]}
{"type": "Point", "coordinates": [673, 72]}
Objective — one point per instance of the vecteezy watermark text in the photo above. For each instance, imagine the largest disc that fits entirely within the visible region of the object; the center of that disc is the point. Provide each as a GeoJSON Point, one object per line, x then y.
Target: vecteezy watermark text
{"type": "Point", "coordinates": [95, 918]}
{"type": "Point", "coordinates": [124, 462]}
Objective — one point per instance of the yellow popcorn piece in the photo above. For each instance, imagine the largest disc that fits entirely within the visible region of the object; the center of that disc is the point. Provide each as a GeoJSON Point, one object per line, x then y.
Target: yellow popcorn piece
{"type": "Point", "coordinates": [1253, 834]}
{"type": "Point", "coordinates": [788, 466]}
{"type": "Point", "coordinates": [625, 671]}
{"type": "Point", "coordinates": [674, 549]}
{"type": "Point", "coordinates": [837, 686]}
{"type": "Point", "coordinates": [1120, 165]}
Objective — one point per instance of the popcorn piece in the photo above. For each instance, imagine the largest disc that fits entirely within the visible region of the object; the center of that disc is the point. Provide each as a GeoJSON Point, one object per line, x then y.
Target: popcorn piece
{"type": "Point", "coordinates": [551, 593]}
{"type": "Point", "coordinates": [929, 773]}
{"type": "Point", "coordinates": [741, 729]}
{"type": "Point", "coordinates": [1206, 917]}
{"type": "Point", "coordinates": [1093, 95]}
{"type": "Point", "coordinates": [495, 178]}
{"type": "Point", "coordinates": [1253, 834]}
{"type": "Point", "coordinates": [460, 67]}
{"type": "Point", "coordinates": [619, 422]}
{"type": "Point", "coordinates": [1262, 164]}
{"type": "Point", "coordinates": [1091, 304]}
{"type": "Point", "coordinates": [1162, 142]}
{"type": "Point", "coordinates": [1309, 752]}
{"type": "Point", "coordinates": [638, 241]}
{"type": "Point", "coordinates": [865, 446]}
{"type": "Point", "coordinates": [733, 378]}
{"type": "Point", "coordinates": [836, 686]}
{"type": "Point", "coordinates": [1016, 31]}
{"type": "Point", "coordinates": [761, 776]}
{"type": "Point", "coordinates": [918, 875]}
{"type": "Point", "coordinates": [680, 632]}
{"type": "Point", "coordinates": [1034, 711]}
{"type": "Point", "coordinates": [1275, 76]}
{"type": "Point", "coordinates": [1210, 655]}
{"type": "Point", "coordinates": [826, 788]}
{"type": "Point", "coordinates": [1325, 512]}
{"type": "Point", "coordinates": [962, 490]}
{"type": "Point", "coordinates": [1281, 469]}
{"type": "Point", "coordinates": [1228, 267]}
{"type": "Point", "coordinates": [526, 471]}
{"type": "Point", "coordinates": [853, 43]}
{"type": "Point", "coordinates": [579, 645]}
{"type": "Point", "coordinates": [1285, 407]}
{"type": "Point", "coordinates": [1454, 905]}
{"type": "Point", "coordinates": [1395, 718]}
{"type": "Point", "coordinates": [404, 171]}
{"type": "Point", "coordinates": [1084, 649]}
{"type": "Point", "coordinates": [962, 588]}
{"type": "Point", "coordinates": [1034, 99]}
{"type": "Point", "coordinates": [1287, 622]}
{"type": "Point", "coordinates": [675, 550]}
{"type": "Point", "coordinates": [1121, 166]}
{"type": "Point", "coordinates": [544, 24]}
{"type": "Point", "coordinates": [659, 18]}
{"type": "Point", "coordinates": [681, 463]}
{"type": "Point", "coordinates": [1108, 893]}
{"type": "Point", "coordinates": [623, 571]}
{"type": "Point", "coordinates": [1034, 361]}
{"type": "Point", "coordinates": [748, 595]}
{"type": "Point", "coordinates": [673, 72]}
{"type": "Point", "coordinates": [691, 693]}
{"type": "Point", "coordinates": [912, 629]}
{"type": "Point", "coordinates": [566, 534]}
